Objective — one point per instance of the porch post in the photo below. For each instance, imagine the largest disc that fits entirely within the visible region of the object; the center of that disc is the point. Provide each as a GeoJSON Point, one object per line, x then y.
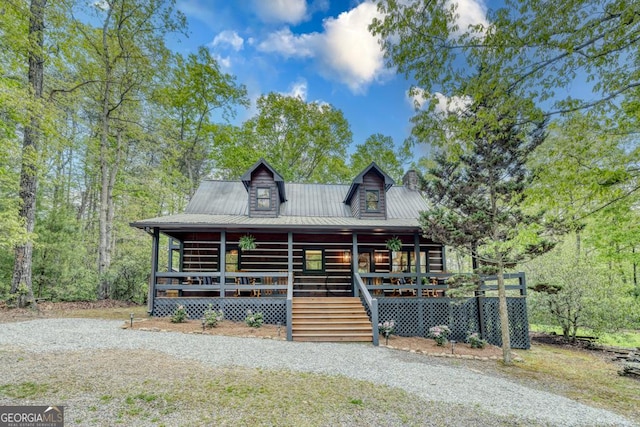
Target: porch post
{"type": "Point", "coordinates": [154, 269]}
{"type": "Point", "coordinates": [354, 263]}
{"type": "Point", "coordinates": [416, 247]}
{"type": "Point", "coordinates": [289, 277]}
{"type": "Point", "coordinates": [223, 262]}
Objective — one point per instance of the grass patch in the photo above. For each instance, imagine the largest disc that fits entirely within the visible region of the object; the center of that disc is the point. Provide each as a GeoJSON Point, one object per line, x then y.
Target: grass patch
{"type": "Point", "coordinates": [618, 339]}
{"type": "Point", "coordinates": [143, 387]}
{"type": "Point", "coordinates": [24, 390]}
{"type": "Point", "coordinates": [579, 375]}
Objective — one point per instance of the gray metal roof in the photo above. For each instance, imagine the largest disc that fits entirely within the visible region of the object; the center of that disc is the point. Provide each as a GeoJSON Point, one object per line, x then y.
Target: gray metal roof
{"type": "Point", "coordinates": [225, 204]}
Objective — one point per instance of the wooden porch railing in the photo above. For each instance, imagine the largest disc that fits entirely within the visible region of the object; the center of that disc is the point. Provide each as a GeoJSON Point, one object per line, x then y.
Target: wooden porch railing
{"type": "Point", "coordinates": [371, 302]}
{"type": "Point", "coordinates": [275, 282]}
{"type": "Point", "coordinates": [431, 284]}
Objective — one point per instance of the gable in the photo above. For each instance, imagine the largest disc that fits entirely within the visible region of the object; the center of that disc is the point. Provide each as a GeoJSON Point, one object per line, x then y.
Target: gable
{"type": "Point", "coordinates": [367, 195]}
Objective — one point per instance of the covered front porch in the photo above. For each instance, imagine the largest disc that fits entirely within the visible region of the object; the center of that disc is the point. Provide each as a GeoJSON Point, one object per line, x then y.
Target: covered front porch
{"type": "Point", "coordinates": [291, 265]}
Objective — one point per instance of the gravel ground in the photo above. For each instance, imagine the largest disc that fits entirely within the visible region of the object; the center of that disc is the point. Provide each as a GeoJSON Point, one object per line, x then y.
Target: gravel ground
{"type": "Point", "coordinates": [426, 377]}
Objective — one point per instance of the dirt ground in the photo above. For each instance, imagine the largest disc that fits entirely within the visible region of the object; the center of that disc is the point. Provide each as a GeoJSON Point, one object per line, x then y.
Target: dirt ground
{"type": "Point", "coordinates": [229, 328]}
{"type": "Point", "coordinates": [239, 329]}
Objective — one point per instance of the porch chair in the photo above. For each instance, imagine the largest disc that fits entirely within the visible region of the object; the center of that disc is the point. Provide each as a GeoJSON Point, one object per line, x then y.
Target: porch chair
{"type": "Point", "coordinates": [399, 281]}
{"type": "Point", "coordinates": [247, 281]}
{"type": "Point", "coordinates": [268, 281]}
{"type": "Point", "coordinates": [282, 281]}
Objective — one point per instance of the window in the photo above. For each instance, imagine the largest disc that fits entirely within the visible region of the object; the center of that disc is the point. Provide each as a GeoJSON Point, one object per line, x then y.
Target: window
{"type": "Point", "coordinates": [263, 196]}
{"type": "Point", "coordinates": [372, 200]}
{"type": "Point", "coordinates": [313, 260]}
{"type": "Point", "coordinates": [400, 261]}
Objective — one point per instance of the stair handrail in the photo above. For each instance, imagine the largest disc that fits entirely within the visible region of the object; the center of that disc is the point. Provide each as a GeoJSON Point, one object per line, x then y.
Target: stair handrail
{"type": "Point", "coordinates": [290, 306]}
{"type": "Point", "coordinates": [371, 302]}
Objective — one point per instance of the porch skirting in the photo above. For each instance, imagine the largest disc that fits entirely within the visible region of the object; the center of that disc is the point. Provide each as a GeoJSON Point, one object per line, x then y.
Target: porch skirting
{"type": "Point", "coordinates": [414, 317]}
{"type": "Point", "coordinates": [274, 310]}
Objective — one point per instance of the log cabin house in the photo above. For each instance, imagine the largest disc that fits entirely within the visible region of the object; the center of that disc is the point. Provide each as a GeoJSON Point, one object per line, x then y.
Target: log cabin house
{"type": "Point", "coordinates": [326, 262]}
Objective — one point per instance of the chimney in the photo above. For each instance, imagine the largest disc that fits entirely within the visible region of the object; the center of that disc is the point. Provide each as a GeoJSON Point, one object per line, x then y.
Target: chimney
{"type": "Point", "coordinates": [410, 180]}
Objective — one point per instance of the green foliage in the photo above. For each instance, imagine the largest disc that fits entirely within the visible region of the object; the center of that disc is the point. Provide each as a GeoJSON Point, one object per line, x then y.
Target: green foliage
{"type": "Point", "coordinates": [254, 320]}
{"type": "Point", "coordinates": [475, 341]}
{"type": "Point", "coordinates": [479, 187]}
{"type": "Point", "coordinates": [440, 334]}
{"type": "Point", "coordinates": [247, 242]}
{"type": "Point", "coordinates": [179, 315]}
{"type": "Point", "coordinates": [531, 48]}
{"type": "Point", "coordinates": [380, 149]}
{"type": "Point", "coordinates": [304, 142]}
{"type": "Point", "coordinates": [196, 91]}
{"type": "Point", "coordinates": [575, 293]}
{"type": "Point", "coordinates": [212, 317]}
{"type": "Point", "coordinates": [394, 244]}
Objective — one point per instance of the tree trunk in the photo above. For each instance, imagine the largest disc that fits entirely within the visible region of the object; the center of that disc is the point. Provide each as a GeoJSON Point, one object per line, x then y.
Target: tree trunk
{"type": "Point", "coordinates": [504, 317]}
{"type": "Point", "coordinates": [21, 280]}
{"type": "Point", "coordinates": [104, 225]}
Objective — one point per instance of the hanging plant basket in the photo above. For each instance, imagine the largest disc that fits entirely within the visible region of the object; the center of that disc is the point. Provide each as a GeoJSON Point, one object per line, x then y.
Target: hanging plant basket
{"type": "Point", "coordinates": [247, 242]}
{"type": "Point", "coordinates": [394, 244]}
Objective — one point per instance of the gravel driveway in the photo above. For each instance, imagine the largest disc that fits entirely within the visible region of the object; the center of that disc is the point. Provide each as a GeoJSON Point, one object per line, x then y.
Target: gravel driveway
{"type": "Point", "coordinates": [426, 377]}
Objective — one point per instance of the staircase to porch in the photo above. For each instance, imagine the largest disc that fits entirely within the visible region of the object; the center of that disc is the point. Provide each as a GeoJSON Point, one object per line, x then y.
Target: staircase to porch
{"type": "Point", "coordinates": [330, 319]}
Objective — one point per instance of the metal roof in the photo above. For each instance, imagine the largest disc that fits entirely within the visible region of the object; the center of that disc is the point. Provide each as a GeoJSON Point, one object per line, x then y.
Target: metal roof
{"type": "Point", "coordinates": [224, 204]}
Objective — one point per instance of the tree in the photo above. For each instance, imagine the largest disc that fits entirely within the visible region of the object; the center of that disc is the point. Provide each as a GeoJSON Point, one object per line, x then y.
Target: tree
{"type": "Point", "coordinates": [478, 188]}
{"type": "Point", "coordinates": [116, 66]}
{"type": "Point", "coordinates": [528, 49]}
{"type": "Point", "coordinates": [196, 90]}
{"type": "Point", "coordinates": [380, 149]}
{"type": "Point", "coordinates": [305, 142]}
{"type": "Point", "coordinates": [21, 282]}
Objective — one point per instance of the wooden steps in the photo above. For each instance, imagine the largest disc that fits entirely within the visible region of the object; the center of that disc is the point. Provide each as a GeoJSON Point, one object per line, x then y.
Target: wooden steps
{"type": "Point", "coordinates": [330, 319]}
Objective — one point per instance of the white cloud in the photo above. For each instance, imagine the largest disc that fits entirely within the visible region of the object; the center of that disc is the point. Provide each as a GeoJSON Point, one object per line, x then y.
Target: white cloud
{"type": "Point", "coordinates": [443, 104]}
{"type": "Point", "coordinates": [281, 11]}
{"type": "Point", "coordinates": [416, 97]}
{"type": "Point", "coordinates": [345, 51]}
{"type": "Point", "coordinates": [350, 50]}
{"type": "Point", "coordinates": [454, 104]}
{"type": "Point", "coordinates": [225, 62]}
{"type": "Point", "coordinates": [471, 12]}
{"type": "Point", "coordinates": [298, 90]}
{"type": "Point", "coordinates": [230, 38]}
{"type": "Point", "coordinates": [289, 45]}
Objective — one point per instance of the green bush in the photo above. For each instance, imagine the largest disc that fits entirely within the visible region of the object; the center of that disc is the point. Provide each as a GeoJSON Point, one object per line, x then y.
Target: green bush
{"type": "Point", "coordinates": [212, 317]}
{"type": "Point", "coordinates": [254, 320]}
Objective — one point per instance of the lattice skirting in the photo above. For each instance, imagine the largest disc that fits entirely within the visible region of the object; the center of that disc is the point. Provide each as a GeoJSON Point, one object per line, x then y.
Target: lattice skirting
{"type": "Point", "coordinates": [414, 317]}
{"type": "Point", "coordinates": [274, 310]}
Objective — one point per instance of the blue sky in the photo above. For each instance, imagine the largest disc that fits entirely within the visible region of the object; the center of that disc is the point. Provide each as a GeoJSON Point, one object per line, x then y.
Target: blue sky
{"type": "Point", "coordinates": [320, 50]}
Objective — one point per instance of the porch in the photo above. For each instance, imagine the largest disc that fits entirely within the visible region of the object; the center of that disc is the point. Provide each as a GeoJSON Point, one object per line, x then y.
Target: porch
{"type": "Point", "coordinates": [416, 301]}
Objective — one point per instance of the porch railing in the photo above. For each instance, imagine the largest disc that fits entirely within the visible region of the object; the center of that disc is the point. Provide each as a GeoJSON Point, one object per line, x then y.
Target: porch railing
{"type": "Point", "coordinates": [372, 304]}
{"type": "Point", "coordinates": [432, 284]}
{"type": "Point", "coordinates": [211, 282]}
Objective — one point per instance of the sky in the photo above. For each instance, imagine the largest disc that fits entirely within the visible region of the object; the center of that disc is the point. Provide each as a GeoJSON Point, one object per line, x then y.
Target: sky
{"type": "Point", "coordinates": [320, 50]}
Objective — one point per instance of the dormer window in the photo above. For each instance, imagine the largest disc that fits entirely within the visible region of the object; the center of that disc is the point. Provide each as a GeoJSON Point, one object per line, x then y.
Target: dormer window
{"type": "Point", "coordinates": [372, 200]}
{"type": "Point", "coordinates": [263, 195]}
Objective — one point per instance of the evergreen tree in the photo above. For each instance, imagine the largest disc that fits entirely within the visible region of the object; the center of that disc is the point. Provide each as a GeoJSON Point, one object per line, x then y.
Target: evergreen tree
{"type": "Point", "coordinates": [478, 187]}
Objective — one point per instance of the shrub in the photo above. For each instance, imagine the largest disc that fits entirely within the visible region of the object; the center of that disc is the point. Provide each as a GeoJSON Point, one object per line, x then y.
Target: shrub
{"type": "Point", "coordinates": [254, 320]}
{"type": "Point", "coordinates": [475, 341]}
{"type": "Point", "coordinates": [180, 315]}
{"type": "Point", "coordinates": [440, 334]}
{"type": "Point", "coordinates": [212, 317]}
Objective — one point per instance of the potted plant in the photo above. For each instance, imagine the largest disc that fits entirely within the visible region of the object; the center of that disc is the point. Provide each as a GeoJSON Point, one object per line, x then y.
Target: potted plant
{"type": "Point", "coordinates": [394, 244]}
{"type": "Point", "coordinates": [247, 242]}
